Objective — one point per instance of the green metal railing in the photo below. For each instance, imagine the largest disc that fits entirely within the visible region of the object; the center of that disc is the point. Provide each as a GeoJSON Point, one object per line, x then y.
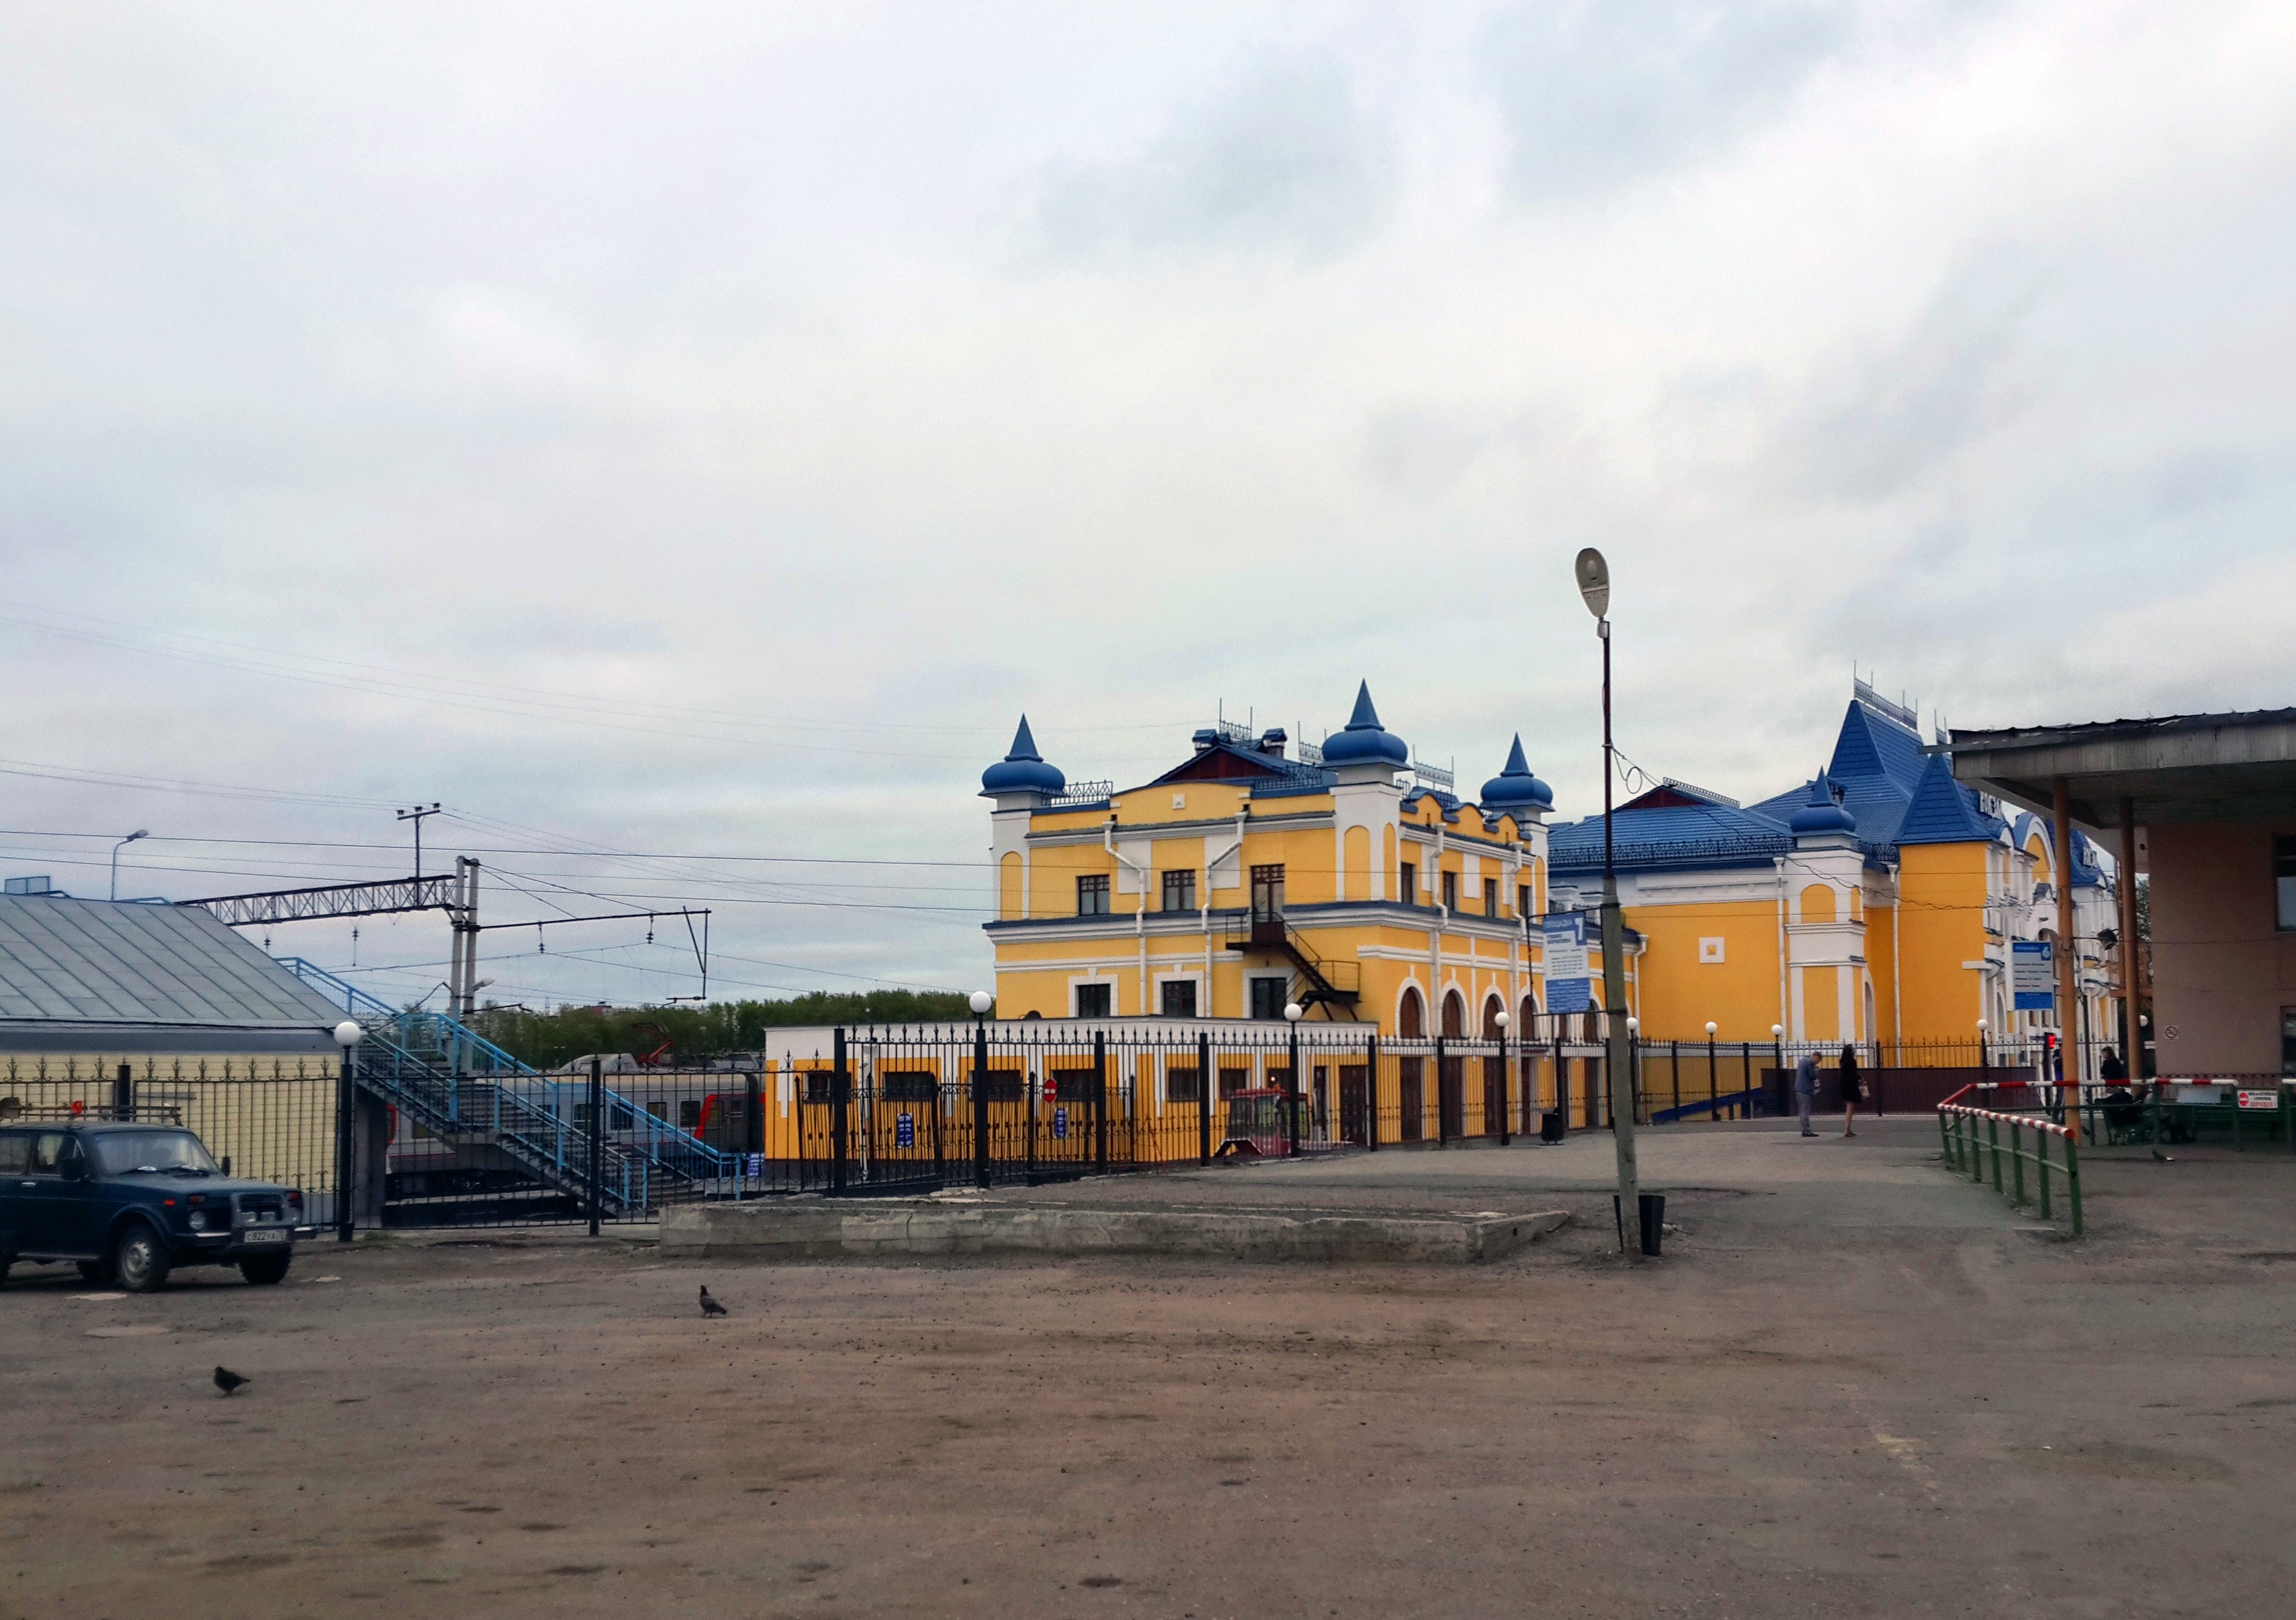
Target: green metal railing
{"type": "Point", "coordinates": [1972, 1139]}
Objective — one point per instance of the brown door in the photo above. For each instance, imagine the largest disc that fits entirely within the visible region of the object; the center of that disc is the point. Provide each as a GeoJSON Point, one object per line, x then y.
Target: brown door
{"type": "Point", "coordinates": [1414, 1104]}
{"type": "Point", "coordinates": [1454, 1099]}
{"type": "Point", "coordinates": [1494, 1094]}
{"type": "Point", "coordinates": [1355, 1102]}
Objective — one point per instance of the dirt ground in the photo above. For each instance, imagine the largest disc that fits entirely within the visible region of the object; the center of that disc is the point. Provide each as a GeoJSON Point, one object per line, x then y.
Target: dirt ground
{"type": "Point", "coordinates": [1851, 1387]}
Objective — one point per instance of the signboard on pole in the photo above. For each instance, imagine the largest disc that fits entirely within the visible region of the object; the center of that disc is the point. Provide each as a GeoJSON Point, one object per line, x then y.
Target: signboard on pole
{"type": "Point", "coordinates": [2032, 974]}
{"type": "Point", "coordinates": [1569, 986]}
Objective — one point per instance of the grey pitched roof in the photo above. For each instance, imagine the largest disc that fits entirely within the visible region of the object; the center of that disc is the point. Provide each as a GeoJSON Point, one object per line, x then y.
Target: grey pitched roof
{"type": "Point", "coordinates": [117, 965]}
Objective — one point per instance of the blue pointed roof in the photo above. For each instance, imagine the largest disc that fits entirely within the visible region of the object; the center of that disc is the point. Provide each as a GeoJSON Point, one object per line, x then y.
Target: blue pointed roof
{"type": "Point", "coordinates": [1871, 744]}
{"type": "Point", "coordinates": [1696, 834]}
{"type": "Point", "coordinates": [1820, 812]}
{"type": "Point", "coordinates": [1515, 788]}
{"type": "Point", "coordinates": [1023, 770]}
{"type": "Point", "coordinates": [1943, 811]}
{"type": "Point", "coordinates": [1365, 740]}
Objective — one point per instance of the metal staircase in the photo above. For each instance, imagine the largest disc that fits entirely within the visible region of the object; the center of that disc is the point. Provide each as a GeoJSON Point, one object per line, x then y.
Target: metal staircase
{"type": "Point", "coordinates": [463, 1088]}
{"type": "Point", "coordinates": [1321, 980]}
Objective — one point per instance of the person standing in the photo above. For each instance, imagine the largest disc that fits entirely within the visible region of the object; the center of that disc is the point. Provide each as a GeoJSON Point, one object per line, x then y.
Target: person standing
{"type": "Point", "coordinates": [1806, 1089]}
{"type": "Point", "coordinates": [1853, 1089]}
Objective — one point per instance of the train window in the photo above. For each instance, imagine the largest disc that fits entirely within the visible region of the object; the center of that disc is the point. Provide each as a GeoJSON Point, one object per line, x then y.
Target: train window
{"type": "Point", "coordinates": [689, 1113]}
{"type": "Point", "coordinates": [654, 1109]}
{"type": "Point", "coordinates": [907, 1086]}
{"type": "Point", "coordinates": [581, 1116]}
{"type": "Point", "coordinates": [618, 1117]}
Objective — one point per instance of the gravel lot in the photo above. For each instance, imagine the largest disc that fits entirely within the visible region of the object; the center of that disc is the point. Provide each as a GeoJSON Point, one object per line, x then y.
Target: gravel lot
{"type": "Point", "coordinates": [1851, 1387]}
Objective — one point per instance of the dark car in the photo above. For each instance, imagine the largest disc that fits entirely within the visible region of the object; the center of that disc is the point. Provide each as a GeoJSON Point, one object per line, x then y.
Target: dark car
{"type": "Point", "coordinates": [132, 1202]}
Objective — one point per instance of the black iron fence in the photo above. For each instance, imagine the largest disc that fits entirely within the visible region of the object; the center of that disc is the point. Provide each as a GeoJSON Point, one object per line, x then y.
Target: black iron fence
{"type": "Point", "coordinates": [433, 1138]}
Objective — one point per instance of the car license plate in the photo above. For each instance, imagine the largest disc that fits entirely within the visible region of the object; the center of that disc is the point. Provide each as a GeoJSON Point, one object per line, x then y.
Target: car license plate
{"type": "Point", "coordinates": [260, 1236]}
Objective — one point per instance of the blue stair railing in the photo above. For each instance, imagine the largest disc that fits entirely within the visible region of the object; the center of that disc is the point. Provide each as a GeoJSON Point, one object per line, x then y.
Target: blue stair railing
{"type": "Point", "coordinates": [456, 1081]}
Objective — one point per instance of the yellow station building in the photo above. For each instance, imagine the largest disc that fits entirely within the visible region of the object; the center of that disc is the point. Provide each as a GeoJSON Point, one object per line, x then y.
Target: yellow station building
{"type": "Point", "coordinates": [1343, 878]}
{"type": "Point", "coordinates": [1879, 902]}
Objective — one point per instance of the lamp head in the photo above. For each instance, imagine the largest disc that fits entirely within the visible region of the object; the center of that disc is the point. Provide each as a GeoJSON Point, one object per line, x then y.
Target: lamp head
{"type": "Point", "coordinates": [1503, 1020]}
{"type": "Point", "coordinates": [1594, 576]}
{"type": "Point", "coordinates": [1293, 1012]}
{"type": "Point", "coordinates": [1711, 1027]}
{"type": "Point", "coordinates": [1980, 1025]}
{"type": "Point", "coordinates": [982, 1002]}
{"type": "Point", "coordinates": [1777, 1032]}
{"type": "Point", "coordinates": [348, 1034]}
{"type": "Point", "coordinates": [141, 833]}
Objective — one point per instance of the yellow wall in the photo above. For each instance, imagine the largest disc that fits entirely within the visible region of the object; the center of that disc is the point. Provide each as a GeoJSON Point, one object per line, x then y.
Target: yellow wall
{"type": "Point", "coordinates": [1941, 925]}
{"type": "Point", "coordinates": [1679, 993]}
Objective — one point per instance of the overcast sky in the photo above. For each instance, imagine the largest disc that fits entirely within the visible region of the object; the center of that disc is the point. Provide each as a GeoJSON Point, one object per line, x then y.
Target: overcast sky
{"type": "Point", "coordinates": [703, 430]}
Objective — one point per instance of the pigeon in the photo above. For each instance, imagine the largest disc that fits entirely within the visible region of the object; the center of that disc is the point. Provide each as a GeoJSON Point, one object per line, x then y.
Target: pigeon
{"type": "Point", "coordinates": [2163, 1158]}
{"type": "Point", "coordinates": [710, 1307]}
{"type": "Point", "coordinates": [226, 1380]}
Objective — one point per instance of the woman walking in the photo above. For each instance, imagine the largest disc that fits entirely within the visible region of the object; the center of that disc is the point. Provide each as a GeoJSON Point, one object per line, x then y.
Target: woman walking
{"type": "Point", "coordinates": [1853, 1089]}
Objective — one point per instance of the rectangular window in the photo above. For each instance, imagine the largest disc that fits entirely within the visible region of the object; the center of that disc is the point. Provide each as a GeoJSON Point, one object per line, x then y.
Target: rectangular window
{"type": "Point", "coordinates": [1490, 898]}
{"type": "Point", "coordinates": [1180, 1082]}
{"type": "Point", "coordinates": [2284, 871]}
{"type": "Point", "coordinates": [1071, 1087]}
{"type": "Point", "coordinates": [15, 1152]}
{"type": "Point", "coordinates": [1092, 895]}
{"type": "Point", "coordinates": [1267, 997]}
{"type": "Point", "coordinates": [47, 1153]}
{"type": "Point", "coordinates": [818, 1084]}
{"type": "Point", "coordinates": [1451, 891]}
{"type": "Point", "coordinates": [909, 1085]}
{"type": "Point", "coordinates": [1001, 1084]}
{"type": "Point", "coordinates": [1406, 886]}
{"type": "Point", "coordinates": [689, 1113]}
{"type": "Point", "coordinates": [1234, 1080]}
{"type": "Point", "coordinates": [1267, 893]}
{"type": "Point", "coordinates": [1522, 900]}
{"type": "Point", "coordinates": [1092, 1001]}
{"type": "Point", "coordinates": [1180, 890]}
{"type": "Point", "coordinates": [1178, 998]}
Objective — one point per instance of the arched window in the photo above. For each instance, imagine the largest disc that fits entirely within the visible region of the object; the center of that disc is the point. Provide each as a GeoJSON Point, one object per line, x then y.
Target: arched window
{"type": "Point", "coordinates": [1526, 1020]}
{"type": "Point", "coordinates": [1491, 1010]}
{"type": "Point", "coordinates": [1455, 1016]}
{"type": "Point", "coordinates": [1411, 1018]}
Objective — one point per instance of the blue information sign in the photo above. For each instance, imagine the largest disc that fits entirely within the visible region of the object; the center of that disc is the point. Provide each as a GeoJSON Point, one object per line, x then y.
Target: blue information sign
{"type": "Point", "coordinates": [1568, 985]}
{"type": "Point", "coordinates": [1060, 1123]}
{"type": "Point", "coordinates": [904, 1130]}
{"type": "Point", "coordinates": [2032, 974]}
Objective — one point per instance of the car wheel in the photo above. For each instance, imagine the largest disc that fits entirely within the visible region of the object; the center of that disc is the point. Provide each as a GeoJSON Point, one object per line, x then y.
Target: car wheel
{"type": "Point", "coordinates": [140, 1260]}
{"type": "Point", "coordinates": [98, 1271]}
{"type": "Point", "coordinates": [5, 1261]}
{"type": "Point", "coordinates": [266, 1269]}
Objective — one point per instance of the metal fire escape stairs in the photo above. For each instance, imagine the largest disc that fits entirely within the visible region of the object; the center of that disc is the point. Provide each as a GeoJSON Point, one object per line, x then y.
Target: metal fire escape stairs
{"type": "Point", "coordinates": [1316, 982]}
{"type": "Point", "coordinates": [463, 1088]}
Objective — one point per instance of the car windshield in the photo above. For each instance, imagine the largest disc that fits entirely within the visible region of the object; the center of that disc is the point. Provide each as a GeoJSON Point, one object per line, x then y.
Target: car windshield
{"type": "Point", "coordinates": [122, 1152]}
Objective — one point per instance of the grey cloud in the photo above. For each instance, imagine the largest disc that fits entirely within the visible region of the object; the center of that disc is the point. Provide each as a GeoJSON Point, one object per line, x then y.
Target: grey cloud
{"type": "Point", "coordinates": [1285, 163]}
{"type": "Point", "coordinates": [1883, 421]}
{"type": "Point", "coordinates": [1595, 95]}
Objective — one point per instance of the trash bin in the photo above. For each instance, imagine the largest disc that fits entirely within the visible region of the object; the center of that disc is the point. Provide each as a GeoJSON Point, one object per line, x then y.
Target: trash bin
{"type": "Point", "coordinates": [1653, 1220]}
{"type": "Point", "coordinates": [1550, 1127]}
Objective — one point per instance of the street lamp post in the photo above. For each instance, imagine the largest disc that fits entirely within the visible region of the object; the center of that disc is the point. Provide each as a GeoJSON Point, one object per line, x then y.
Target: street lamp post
{"type": "Point", "coordinates": [141, 833]}
{"type": "Point", "coordinates": [1713, 1076]}
{"type": "Point", "coordinates": [1503, 1110]}
{"type": "Point", "coordinates": [1292, 1013]}
{"type": "Point", "coordinates": [1594, 576]}
{"type": "Point", "coordinates": [980, 1004]}
{"type": "Point", "coordinates": [1984, 1057]}
{"type": "Point", "coordinates": [348, 1035]}
{"type": "Point", "coordinates": [1778, 1048]}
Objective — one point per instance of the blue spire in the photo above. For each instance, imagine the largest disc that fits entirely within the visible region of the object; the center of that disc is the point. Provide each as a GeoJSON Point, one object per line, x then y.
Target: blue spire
{"type": "Point", "coordinates": [1365, 742]}
{"type": "Point", "coordinates": [1023, 770]}
{"type": "Point", "coordinates": [1514, 787]}
{"type": "Point", "coordinates": [1823, 814]}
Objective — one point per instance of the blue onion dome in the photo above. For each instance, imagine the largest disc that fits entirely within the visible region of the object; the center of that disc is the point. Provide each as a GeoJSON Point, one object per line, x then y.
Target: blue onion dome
{"type": "Point", "coordinates": [1365, 742]}
{"type": "Point", "coordinates": [1515, 788]}
{"type": "Point", "coordinates": [1023, 770]}
{"type": "Point", "coordinates": [1822, 814]}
